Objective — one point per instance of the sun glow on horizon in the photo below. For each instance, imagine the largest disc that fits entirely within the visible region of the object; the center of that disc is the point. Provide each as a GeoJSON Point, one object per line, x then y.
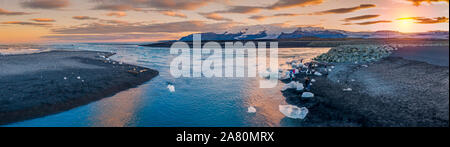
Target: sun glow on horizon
{"type": "Point", "coordinates": [405, 26]}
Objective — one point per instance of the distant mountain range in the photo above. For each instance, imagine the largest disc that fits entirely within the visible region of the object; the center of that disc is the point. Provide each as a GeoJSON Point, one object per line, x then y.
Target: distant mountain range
{"type": "Point", "coordinates": [255, 33]}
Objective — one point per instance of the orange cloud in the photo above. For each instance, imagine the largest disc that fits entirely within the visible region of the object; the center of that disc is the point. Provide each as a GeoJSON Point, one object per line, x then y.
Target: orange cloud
{"type": "Point", "coordinates": [123, 5]}
{"type": "Point", "coordinates": [262, 18]}
{"type": "Point", "coordinates": [26, 23]}
{"type": "Point", "coordinates": [419, 2]}
{"type": "Point", "coordinates": [173, 27]}
{"type": "Point", "coordinates": [362, 17]}
{"type": "Point", "coordinates": [174, 14]}
{"type": "Point", "coordinates": [242, 9]}
{"type": "Point", "coordinates": [45, 4]}
{"type": "Point", "coordinates": [371, 22]}
{"type": "Point", "coordinates": [84, 18]}
{"type": "Point", "coordinates": [6, 12]}
{"type": "Point", "coordinates": [344, 10]}
{"type": "Point", "coordinates": [281, 4]}
{"type": "Point", "coordinates": [215, 16]}
{"type": "Point", "coordinates": [116, 7]}
{"type": "Point", "coordinates": [43, 20]}
{"type": "Point", "coordinates": [423, 20]}
{"type": "Point", "coordinates": [117, 14]}
{"type": "Point", "coordinates": [259, 17]}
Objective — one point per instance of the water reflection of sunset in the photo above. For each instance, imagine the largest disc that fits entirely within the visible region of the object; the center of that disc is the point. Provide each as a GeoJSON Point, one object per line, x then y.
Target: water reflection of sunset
{"type": "Point", "coordinates": [118, 110]}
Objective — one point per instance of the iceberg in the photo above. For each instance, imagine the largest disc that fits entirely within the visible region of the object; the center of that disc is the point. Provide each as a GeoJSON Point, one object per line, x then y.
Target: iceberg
{"type": "Point", "coordinates": [293, 111]}
{"type": "Point", "coordinates": [317, 73]}
{"type": "Point", "coordinates": [171, 88]}
{"type": "Point", "coordinates": [300, 87]}
{"type": "Point", "coordinates": [307, 95]}
{"type": "Point", "coordinates": [251, 109]}
{"type": "Point", "coordinates": [290, 85]}
{"type": "Point", "coordinates": [347, 89]}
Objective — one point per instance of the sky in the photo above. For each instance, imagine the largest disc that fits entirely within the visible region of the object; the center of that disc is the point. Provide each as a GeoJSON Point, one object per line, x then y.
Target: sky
{"type": "Point", "coordinates": [30, 21]}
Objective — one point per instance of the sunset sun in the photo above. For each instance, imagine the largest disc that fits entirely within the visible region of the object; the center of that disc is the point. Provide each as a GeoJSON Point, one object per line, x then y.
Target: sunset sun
{"type": "Point", "coordinates": [405, 25]}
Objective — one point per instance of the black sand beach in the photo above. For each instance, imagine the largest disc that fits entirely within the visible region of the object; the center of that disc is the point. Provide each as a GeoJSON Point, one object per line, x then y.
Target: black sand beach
{"type": "Point", "coordinates": [393, 92]}
{"type": "Point", "coordinates": [36, 85]}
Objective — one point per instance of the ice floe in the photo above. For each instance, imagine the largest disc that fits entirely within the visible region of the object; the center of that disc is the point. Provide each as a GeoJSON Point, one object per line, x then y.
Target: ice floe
{"type": "Point", "coordinates": [251, 109]}
{"type": "Point", "coordinates": [293, 111]}
{"type": "Point", "coordinates": [347, 89]}
{"type": "Point", "coordinates": [300, 87]}
{"type": "Point", "coordinates": [317, 73]}
{"type": "Point", "coordinates": [307, 95]}
{"type": "Point", "coordinates": [171, 88]}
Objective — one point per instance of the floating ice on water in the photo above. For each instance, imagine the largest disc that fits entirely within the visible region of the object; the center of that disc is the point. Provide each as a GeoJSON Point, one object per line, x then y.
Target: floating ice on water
{"type": "Point", "coordinates": [65, 78]}
{"type": "Point", "coordinates": [317, 73]}
{"type": "Point", "coordinates": [251, 109]}
{"type": "Point", "coordinates": [313, 80]}
{"type": "Point", "coordinates": [307, 95]}
{"type": "Point", "coordinates": [365, 66]}
{"type": "Point", "coordinates": [332, 67]}
{"type": "Point", "coordinates": [347, 89]}
{"type": "Point", "coordinates": [293, 111]}
{"type": "Point", "coordinates": [171, 88]}
{"type": "Point", "coordinates": [353, 80]}
{"type": "Point", "coordinates": [78, 77]}
{"type": "Point", "coordinates": [330, 70]}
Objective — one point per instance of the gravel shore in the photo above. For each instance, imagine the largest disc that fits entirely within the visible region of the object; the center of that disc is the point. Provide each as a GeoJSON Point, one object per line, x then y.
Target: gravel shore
{"type": "Point", "coordinates": [392, 92]}
{"type": "Point", "coordinates": [36, 85]}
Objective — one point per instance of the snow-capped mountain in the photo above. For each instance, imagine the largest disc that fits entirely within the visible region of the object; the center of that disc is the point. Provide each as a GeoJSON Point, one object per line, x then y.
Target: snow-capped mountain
{"type": "Point", "coordinates": [313, 32]}
{"type": "Point", "coordinates": [278, 32]}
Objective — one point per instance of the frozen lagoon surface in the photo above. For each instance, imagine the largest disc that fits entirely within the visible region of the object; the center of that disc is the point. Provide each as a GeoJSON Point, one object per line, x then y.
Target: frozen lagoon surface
{"type": "Point", "coordinates": [203, 102]}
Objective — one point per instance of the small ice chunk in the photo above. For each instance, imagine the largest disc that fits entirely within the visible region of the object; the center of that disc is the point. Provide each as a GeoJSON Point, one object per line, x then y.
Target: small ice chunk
{"type": "Point", "coordinates": [317, 73]}
{"type": "Point", "coordinates": [353, 80]}
{"type": "Point", "coordinates": [332, 67]}
{"type": "Point", "coordinates": [365, 66]}
{"type": "Point", "coordinates": [65, 78]}
{"type": "Point", "coordinates": [313, 80]}
{"type": "Point", "coordinates": [290, 85]}
{"type": "Point", "coordinates": [347, 89]}
{"type": "Point", "coordinates": [78, 77]}
{"type": "Point", "coordinates": [300, 87]}
{"type": "Point", "coordinates": [330, 70]}
{"type": "Point", "coordinates": [307, 95]}
{"type": "Point", "coordinates": [171, 88]}
{"type": "Point", "coordinates": [293, 111]}
{"type": "Point", "coordinates": [251, 109]}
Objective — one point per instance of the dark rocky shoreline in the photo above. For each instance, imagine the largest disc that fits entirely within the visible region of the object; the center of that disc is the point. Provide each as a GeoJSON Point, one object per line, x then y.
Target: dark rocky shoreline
{"type": "Point", "coordinates": [53, 82]}
{"type": "Point", "coordinates": [392, 92]}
